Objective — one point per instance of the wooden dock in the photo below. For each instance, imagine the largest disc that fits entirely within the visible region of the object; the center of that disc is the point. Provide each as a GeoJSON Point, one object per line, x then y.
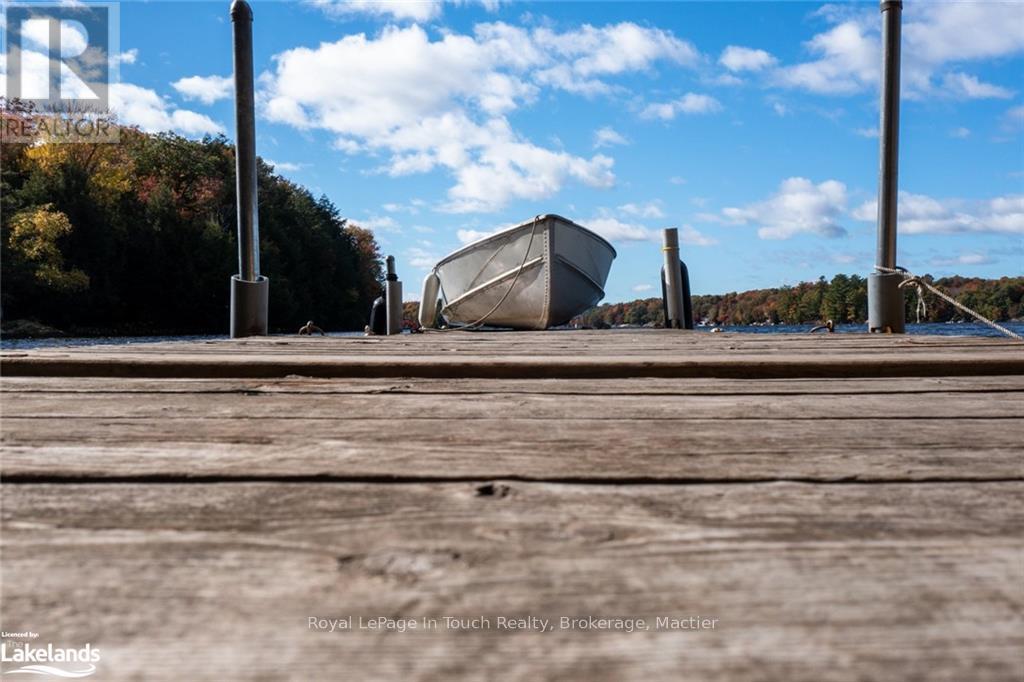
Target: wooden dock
{"type": "Point", "coordinates": [827, 507]}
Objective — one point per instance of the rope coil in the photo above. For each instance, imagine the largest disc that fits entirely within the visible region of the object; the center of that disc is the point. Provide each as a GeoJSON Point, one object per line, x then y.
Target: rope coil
{"type": "Point", "coordinates": [920, 285]}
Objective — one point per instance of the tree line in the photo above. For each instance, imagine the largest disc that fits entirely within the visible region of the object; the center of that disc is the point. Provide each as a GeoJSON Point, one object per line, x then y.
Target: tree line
{"type": "Point", "coordinates": [140, 238]}
{"type": "Point", "coordinates": [844, 299]}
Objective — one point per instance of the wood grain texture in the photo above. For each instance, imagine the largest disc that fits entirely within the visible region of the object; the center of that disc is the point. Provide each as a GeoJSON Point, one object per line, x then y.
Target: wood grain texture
{"type": "Point", "coordinates": [547, 449]}
{"type": "Point", "coordinates": [808, 582]}
{"type": "Point", "coordinates": [839, 522]}
{"type": "Point", "coordinates": [537, 355]}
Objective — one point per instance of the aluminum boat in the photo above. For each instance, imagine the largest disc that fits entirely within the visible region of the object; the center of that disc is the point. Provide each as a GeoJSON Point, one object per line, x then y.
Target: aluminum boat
{"type": "Point", "coordinates": [535, 275]}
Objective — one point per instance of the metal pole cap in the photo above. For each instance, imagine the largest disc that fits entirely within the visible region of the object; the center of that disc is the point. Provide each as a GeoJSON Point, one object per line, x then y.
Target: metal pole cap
{"type": "Point", "coordinates": [889, 4]}
{"type": "Point", "coordinates": [240, 10]}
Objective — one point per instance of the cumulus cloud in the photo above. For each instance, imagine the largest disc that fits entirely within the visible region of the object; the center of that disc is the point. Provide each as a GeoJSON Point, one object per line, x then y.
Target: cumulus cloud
{"type": "Point", "coordinates": [142, 107]}
{"type": "Point", "coordinates": [690, 103]}
{"type": "Point", "coordinates": [922, 214]}
{"type": "Point", "coordinates": [640, 288]}
{"type": "Point", "coordinates": [736, 58]}
{"type": "Point", "coordinates": [443, 103]}
{"type": "Point", "coordinates": [799, 207]}
{"type": "Point", "coordinates": [206, 89]}
{"type": "Point", "coordinates": [608, 137]}
{"type": "Point", "coordinates": [935, 35]}
{"type": "Point", "coordinates": [966, 86]}
{"type": "Point", "coordinates": [615, 230]}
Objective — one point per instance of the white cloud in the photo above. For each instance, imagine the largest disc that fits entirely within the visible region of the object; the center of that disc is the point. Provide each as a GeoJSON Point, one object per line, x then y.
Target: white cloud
{"type": "Point", "coordinates": [129, 57]}
{"type": "Point", "coordinates": [651, 209]}
{"type": "Point", "coordinates": [206, 89]}
{"type": "Point", "coordinates": [935, 35]}
{"type": "Point", "coordinates": [285, 166]}
{"type": "Point", "coordinates": [607, 137]}
{"type": "Point", "coordinates": [640, 288]}
{"type": "Point", "coordinates": [467, 236]}
{"type": "Point", "coordinates": [848, 62]}
{"type": "Point", "coordinates": [420, 258]}
{"type": "Point", "coordinates": [960, 133]}
{"type": "Point", "coordinates": [379, 224]}
{"type": "Point", "coordinates": [677, 180]}
{"type": "Point", "coordinates": [693, 237]}
{"type": "Point", "coordinates": [737, 58]}
{"type": "Point", "coordinates": [871, 132]}
{"type": "Point", "coordinates": [799, 207]}
{"type": "Point", "coordinates": [922, 214]}
{"type": "Point", "coordinates": [142, 107]}
{"type": "Point", "coordinates": [966, 86]}
{"type": "Point", "coordinates": [414, 10]}
{"type": "Point", "coordinates": [779, 108]}
{"type": "Point", "coordinates": [443, 104]}
{"type": "Point", "coordinates": [967, 258]}
{"type": "Point", "coordinates": [690, 103]}
{"type": "Point", "coordinates": [615, 230]}
{"type": "Point", "coordinates": [397, 10]}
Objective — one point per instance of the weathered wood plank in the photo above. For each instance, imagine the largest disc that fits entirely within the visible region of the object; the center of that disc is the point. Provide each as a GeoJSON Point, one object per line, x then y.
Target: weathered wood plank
{"type": "Point", "coordinates": [647, 353]}
{"type": "Point", "coordinates": [558, 449]}
{"type": "Point", "coordinates": [11, 388]}
{"type": "Point", "coordinates": [533, 366]}
{"type": "Point", "coordinates": [202, 582]}
{"type": "Point", "coordinates": [393, 406]}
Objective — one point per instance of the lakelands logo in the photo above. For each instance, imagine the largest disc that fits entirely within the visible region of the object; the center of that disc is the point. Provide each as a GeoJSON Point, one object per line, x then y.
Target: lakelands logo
{"type": "Point", "coordinates": [38, 660]}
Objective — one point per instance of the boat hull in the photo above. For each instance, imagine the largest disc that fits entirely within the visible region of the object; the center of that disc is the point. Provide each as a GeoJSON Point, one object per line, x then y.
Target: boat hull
{"type": "Point", "coordinates": [562, 275]}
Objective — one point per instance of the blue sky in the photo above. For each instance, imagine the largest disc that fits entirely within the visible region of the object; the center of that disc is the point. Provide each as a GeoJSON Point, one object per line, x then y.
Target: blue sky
{"type": "Point", "coordinates": [750, 126]}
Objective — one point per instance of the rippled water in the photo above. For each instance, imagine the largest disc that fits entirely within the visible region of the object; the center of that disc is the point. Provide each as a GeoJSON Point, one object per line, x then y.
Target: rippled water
{"type": "Point", "coordinates": [934, 329]}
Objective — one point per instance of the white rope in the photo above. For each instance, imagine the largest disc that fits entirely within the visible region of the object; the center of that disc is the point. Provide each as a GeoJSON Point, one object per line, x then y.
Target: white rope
{"type": "Point", "coordinates": [920, 284]}
{"type": "Point", "coordinates": [522, 266]}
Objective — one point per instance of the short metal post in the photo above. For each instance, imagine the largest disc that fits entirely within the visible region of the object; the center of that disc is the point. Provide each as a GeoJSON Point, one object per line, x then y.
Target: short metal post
{"type": "Point", "coordinates": [672, 280]}
{"type": "Point", "coordinates": [885, 298]}
{"type": "Point", "coordinates": [393, 299]}
{"type": "Point", "coordinates": [249, 289]}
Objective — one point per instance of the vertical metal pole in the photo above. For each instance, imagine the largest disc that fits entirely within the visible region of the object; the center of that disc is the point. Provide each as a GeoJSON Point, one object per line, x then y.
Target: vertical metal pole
{"type": "Point", "coordinates": [672, 278]}
{"type": "Point", "coordinates": [245, 147]}
{"type": "Point", "coordinates": [249, 290]}
{"type": "Point", "coordinates": [885, 298]}
{"type": "Point", "coordinates": [393, 298]}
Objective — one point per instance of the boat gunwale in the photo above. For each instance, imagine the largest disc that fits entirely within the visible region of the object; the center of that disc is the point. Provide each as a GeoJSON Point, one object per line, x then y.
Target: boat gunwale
{"type": "Point", "coordinates": [529, 223]}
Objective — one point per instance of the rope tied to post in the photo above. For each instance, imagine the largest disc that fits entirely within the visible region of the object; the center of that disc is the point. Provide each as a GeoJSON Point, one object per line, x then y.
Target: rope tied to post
{"type": "Point", "coordinates": [912, 280]}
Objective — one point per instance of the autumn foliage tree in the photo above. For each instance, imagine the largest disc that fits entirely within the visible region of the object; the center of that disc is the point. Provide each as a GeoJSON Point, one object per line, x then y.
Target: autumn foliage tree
{"type": "Point", "coordinates": [140, 237]}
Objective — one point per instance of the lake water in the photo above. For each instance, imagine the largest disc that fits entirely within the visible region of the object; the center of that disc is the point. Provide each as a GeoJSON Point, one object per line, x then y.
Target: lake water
{"type": "Point", "coordinates": [965, 329]}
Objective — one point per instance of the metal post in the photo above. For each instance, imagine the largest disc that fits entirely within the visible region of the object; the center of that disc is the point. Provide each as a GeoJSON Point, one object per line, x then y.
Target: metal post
{"type": "Point", "coordinates": [249, 289]}
{"type": "Point", "coordinates": [885, 298]}
{"type": "Point", "coordinates": [393, 298]}
{"type": "Point", "coordinates": [672, 279]}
